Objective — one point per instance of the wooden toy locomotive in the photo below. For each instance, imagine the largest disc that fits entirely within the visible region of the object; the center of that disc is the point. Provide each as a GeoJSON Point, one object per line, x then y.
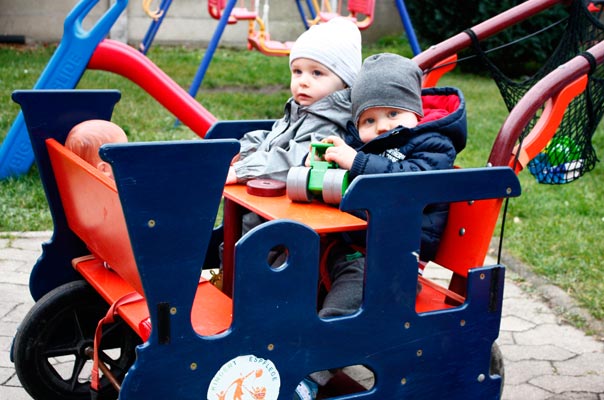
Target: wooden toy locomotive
{"type": "Point", "coordinates": [136, 247]}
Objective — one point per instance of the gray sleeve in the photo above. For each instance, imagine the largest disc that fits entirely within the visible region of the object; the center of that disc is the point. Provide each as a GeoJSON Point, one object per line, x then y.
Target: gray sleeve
{"type": "Point", "coordinates": [273, 164]}
{"type": "Point", "coordinates": [271, 154]}
{"type": "Point", "coordinates": [251, 141]}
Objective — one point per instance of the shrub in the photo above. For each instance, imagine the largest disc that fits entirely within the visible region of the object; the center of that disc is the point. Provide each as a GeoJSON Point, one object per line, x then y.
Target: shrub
{"type": "Point", "coordinates": [435, 21]}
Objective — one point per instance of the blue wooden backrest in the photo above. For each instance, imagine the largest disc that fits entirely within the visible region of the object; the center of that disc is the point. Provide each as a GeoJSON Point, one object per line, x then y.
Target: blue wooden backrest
{"type": "Point", "coordinates": [52, 114]}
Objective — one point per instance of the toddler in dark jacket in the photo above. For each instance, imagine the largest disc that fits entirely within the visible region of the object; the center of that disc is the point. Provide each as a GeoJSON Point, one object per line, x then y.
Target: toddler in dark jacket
{"type": "Point", "coordinates": [396, 127]}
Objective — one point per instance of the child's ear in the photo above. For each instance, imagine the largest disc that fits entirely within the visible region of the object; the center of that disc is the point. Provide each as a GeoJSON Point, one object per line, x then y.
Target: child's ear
{"type": "Point", "coordinates": [105, 168]}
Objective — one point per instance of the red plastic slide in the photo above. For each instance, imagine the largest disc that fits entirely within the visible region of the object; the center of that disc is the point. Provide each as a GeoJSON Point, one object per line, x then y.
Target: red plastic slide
{"type": "Point", "coordinates": [126, 61]}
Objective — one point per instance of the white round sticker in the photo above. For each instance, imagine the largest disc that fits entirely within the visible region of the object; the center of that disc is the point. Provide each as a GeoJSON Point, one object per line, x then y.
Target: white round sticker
{"type": "Point", "coordinates": [245, 378]}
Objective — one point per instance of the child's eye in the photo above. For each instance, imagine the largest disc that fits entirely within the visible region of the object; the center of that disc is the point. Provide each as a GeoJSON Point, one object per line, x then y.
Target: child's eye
{"type": "Point", "coordinates": [368, 121]}
{"type": "Point", "coordinates": [393, 113]}
{"type": "Point", "coordinates": [296, 71]}
{"type": "Point", "coordinates": [316, 72]}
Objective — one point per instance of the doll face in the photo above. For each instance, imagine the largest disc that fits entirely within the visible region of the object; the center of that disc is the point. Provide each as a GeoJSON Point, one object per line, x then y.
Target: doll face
{"type": "Point", "coordinates": [311, 81]}
{"type": "Point", "coordinates": [377, 120]}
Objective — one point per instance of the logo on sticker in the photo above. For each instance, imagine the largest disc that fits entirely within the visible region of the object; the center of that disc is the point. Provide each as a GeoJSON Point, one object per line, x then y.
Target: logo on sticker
{"type": "Point", "coordinates": [245, 378]}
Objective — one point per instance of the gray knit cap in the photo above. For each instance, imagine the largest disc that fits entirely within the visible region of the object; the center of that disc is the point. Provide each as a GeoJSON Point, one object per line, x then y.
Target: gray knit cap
{"type": "Point", "coordinates": [335, 44]}
{"type": "Point", "coordinates": [387, 80]}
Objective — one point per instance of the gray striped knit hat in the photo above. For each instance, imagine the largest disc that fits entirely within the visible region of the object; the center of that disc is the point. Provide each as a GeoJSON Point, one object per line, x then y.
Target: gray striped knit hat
{"type": "Point", "coordinates": [387, 80]}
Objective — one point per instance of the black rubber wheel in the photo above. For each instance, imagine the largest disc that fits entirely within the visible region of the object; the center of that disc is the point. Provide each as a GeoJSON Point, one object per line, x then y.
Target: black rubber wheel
{"type": "Point", "coordinates": [497, 367]}
{"type": "Point", "coordinates": [49, 347]}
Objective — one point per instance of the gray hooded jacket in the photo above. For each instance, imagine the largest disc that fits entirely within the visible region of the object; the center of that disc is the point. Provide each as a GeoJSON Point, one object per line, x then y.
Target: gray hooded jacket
{"type": "Point", "coordinates": [270, 154]}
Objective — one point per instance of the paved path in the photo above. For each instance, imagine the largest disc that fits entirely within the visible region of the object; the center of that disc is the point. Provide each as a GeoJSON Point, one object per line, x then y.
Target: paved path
{"type": "Point", "coordinates": [545, 358]}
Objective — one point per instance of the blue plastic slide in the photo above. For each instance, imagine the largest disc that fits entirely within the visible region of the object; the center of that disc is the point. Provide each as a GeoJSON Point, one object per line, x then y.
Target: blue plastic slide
{"type": "Point", "coordinates": [64, 70]}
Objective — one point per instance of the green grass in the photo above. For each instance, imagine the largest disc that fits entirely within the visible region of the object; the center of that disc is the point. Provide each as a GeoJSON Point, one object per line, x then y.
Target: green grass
{"type": "Point", "coordinates": [555, 229]}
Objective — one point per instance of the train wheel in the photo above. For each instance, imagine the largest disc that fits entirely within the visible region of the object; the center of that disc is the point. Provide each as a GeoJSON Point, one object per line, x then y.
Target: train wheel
{"type": "Point", "coordinates": [497, 367]}
{"type": "Point", "coordinates": [335, 183]}
{"type": "Point", "coordinates": [50, 345]}
{"type": "Point", "coordinates": [297, 184]}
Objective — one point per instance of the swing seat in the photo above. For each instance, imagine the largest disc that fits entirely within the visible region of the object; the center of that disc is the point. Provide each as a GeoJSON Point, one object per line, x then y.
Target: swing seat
{"type": "Point", "coordinates": [595, 6]}
{"type": "Point", "coordinates": [242, 13]}
{"type": "Point", "coordinates": [216, 7]}
{"type": "Point", "coordinates": [356, 8]}
{"type": "Point", "coordinates": [261, 41]}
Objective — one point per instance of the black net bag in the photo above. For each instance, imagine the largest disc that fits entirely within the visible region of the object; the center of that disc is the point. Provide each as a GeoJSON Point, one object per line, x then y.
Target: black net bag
{"type": "Point", "coordinates": [570, 153]}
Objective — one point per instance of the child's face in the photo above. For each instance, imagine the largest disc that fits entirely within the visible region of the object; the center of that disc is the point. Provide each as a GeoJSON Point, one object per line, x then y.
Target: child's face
{"type": "Point", "coordinates": [311, 81]}
{"type": "Point", "coordinates": [377, 120]}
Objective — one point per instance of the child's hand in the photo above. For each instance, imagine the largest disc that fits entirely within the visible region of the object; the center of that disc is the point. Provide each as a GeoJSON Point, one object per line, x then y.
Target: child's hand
{"type": "Point", "coordinates": [235, 159]}
{"type": "Point", "coordinates": [307, 158]}
{"type": "Point", "coordinates": [307, 161]}
{"type": "Point", "coordinates": [231, 177]}
{"type": "Point", "coordinates": [340, 153]}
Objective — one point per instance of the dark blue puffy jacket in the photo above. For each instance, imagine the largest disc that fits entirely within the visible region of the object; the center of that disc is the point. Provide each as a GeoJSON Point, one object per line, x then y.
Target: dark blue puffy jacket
{"type": "Point", "coordinates": [432, 145]}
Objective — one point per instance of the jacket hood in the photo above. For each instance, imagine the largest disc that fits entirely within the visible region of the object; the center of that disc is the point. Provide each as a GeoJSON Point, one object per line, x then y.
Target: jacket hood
{"type": "Point", "coordinates": [334, 108]}
{"type": "Point", "coordinates": [444, 112]}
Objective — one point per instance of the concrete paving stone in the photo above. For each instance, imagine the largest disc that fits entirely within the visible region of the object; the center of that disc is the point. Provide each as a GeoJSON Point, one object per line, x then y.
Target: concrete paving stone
{"type": "Point", "coordinates": [561, 384]}
{"type": "Point", "coordinates": [13, 304]}
{"type": "Point", "coordinates": [26, 244]}
{"type": "Point", "coordinates": [14, 381]}
{"type": "Point", "coordinates": [5, 344]}
{"type": "Point", "coordinates": [16, 277]}
{"type": "Point", "coordinates": [564, 336]}
{"type": "Point", "coordinates": [514, 323]}
{"type": "Point", "coordinates": [544, 353]}
{"type": "Point", "coordinates": [512, 291]}
{"type": "Point", "coordinates": [520, 372]}
{"type": "Point", "coordinates": [5, 374]}
{"type": "Point", "coordinates": [361, 374]}
{"type": "Point", "coordinates": [5, 308]}
{"type": "Point", "coordinates": [20, 255]}
{"type": "Point", "coordinates": [530, 310]}
{"type": "Point", "coordinates": [505, 337]}
{"type": "Point", "coordinates": [15, 265]}
{"type": "Point", "coordinates": [12, 235]}
{"type": "Point", "coordinates": [525, 392]}
{"type": "Point", "coordinates": [42, 235]}
{"type": "Point", "coordinates": [15, 293]}
{"type": "Point", "coordinates": [5, 361]}
{"type": "Point", "coordinates": [8, 328]}
{"type": "Point", "coordinates": [14, 393]}
{"type": "Point", "coordinates": [583, 364]}
{"type": "Point", "coordinates": [18, 313]}
{"type": "Point", "coordinates": [575, 396]}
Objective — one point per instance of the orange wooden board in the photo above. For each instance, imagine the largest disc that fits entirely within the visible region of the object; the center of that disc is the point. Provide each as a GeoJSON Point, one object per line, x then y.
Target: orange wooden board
{"type": "Point", "coordinates": [321, 217]}
{"type": "Point", "coordinates": [211, 313]}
